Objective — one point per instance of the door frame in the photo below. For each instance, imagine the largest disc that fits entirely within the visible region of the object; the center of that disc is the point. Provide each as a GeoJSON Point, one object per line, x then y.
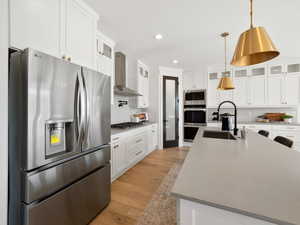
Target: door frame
{"type": "Point", "coordinates": [172, 72]}
{"type": "Point", "coordinates": [4, 43]}
{"type": "Point", "coordinates": [175, 143]}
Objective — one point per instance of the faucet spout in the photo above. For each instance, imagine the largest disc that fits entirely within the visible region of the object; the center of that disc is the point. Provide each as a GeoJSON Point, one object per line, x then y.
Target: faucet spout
{"type": "Point", "coordinates": [235, 130]}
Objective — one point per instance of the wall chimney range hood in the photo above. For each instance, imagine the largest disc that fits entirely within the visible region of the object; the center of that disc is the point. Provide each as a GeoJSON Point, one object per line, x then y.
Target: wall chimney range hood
{"type": "Point", "coordinates": [120, 77]}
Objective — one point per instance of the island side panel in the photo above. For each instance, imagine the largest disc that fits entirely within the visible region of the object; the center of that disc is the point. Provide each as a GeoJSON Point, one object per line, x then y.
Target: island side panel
{"type": "Point", "coordinates": [192, 213]}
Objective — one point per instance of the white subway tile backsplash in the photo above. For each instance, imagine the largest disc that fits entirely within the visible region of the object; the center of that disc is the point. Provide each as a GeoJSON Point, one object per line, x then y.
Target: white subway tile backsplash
{"type": "Point", "coordinates": [122, 114]}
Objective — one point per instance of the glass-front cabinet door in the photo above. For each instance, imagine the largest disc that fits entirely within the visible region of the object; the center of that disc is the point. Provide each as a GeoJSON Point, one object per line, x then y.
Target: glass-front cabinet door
{"type": "Point", "coordinates": [226, 95]}
{"type": "Point", "coordinates": [257, 85]}
{"type": "Point", "coordinates": [276, 79]}
{"type": "Point", "coordinates": [213, 94]}
{"type": "Point", "coordinates": [241, 90]}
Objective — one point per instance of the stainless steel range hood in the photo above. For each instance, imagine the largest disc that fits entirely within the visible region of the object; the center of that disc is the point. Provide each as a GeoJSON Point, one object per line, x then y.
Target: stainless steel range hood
{"type": "Point", "coordinates": [120, 77]}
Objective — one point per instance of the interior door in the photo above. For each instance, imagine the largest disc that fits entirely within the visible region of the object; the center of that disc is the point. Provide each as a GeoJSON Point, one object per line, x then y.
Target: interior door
{"type": "Point", "coordinates": [170, 111]}
{"type": "Point", "coordinates": [97, 127]}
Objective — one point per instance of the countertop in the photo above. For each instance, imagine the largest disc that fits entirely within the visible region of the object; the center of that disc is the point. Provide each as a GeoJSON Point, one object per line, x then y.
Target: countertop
{"type": "Point", "coordinates": [115, 131]}
{"type": "Point", "coordinates": [255, 177]}
{"type": "Point", "coordinates": [260, 123]}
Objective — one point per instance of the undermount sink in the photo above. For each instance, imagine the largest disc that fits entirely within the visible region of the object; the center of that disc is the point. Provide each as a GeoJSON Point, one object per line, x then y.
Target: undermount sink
{"type": "Point", "coordinates": [218, 135]}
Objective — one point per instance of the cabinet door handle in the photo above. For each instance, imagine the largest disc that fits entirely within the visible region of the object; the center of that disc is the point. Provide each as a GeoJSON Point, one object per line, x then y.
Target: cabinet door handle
{"type": "Point", "coordinates": [64, 57]}
{"type": "Point", "coordinates": [69, 59]}
{"type": "Point", "coordinates": [138, 153]}
{"type": "Point", "coordinates": [114, 139]}
{"type": "Point", "coordinates": [116, 146]}
{"type": "Point", "coordinates": [138, 141]}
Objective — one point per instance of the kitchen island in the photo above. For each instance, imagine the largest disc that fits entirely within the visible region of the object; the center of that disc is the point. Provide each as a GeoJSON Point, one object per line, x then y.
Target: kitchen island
{"type": "Point", "coordinates": [238, 182]}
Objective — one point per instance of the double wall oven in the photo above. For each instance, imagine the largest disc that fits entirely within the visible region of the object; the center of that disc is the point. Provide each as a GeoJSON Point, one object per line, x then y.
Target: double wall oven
{"type": "Point", "coordinates": [194, 113]}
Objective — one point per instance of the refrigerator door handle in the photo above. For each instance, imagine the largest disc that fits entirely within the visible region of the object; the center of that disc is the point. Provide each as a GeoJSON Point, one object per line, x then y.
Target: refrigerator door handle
{"type": "Point", "coordinates": [77, 110]}
{"type": "Point", "coordinates": [84, 107]}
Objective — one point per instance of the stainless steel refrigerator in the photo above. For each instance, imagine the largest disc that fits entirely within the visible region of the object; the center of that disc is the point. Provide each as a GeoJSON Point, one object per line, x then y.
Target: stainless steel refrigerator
{"type": "Point", "coordinates": [59, 135]}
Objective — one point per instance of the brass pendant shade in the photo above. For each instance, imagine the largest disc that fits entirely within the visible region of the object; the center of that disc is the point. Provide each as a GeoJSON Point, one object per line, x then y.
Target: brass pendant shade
{"type": "Point", "coordinates": [225, 84]}
{"type": "Point", "coordinates": [254, 46]}
{"type": "Point", "coordinates": [226, 81]}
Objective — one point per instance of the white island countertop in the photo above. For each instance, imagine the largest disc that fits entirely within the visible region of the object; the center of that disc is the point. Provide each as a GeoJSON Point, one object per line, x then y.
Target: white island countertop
{"type": "Point", "coordinates": [255, 177]}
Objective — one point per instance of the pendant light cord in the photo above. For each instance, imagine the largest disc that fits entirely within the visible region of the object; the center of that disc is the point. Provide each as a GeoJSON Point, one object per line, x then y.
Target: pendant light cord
{"type": "Point", "coordinates": [224, 35]}
{"type": "Point", "coordinates": [251, 14]}
{"type": "Point", "coordinates": [225, 55]}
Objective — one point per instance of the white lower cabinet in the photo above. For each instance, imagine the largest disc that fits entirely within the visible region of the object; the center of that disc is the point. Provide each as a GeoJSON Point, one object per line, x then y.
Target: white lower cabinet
{"type": "Point", "coordinates": [136, 147]}
{"type": "Point", "coordinates": [118, 157]}
{"type": "Point", "coordinates": [152, 138]}
{"type": "Point", "coordinates": [129, 148]}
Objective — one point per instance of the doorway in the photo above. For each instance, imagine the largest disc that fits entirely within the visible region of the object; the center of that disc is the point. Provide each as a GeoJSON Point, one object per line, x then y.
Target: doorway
{"type": "Point", "coordinates": [170, 112]}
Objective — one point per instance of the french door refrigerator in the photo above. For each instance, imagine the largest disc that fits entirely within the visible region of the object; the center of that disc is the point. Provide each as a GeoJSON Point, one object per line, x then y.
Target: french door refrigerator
{"type": "Point", "coordinates": [59, 141]}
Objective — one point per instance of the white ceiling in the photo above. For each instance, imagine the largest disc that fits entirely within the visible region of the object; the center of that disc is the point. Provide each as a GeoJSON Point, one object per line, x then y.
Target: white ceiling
{"type": "Point", "coordinates": [191, 28]}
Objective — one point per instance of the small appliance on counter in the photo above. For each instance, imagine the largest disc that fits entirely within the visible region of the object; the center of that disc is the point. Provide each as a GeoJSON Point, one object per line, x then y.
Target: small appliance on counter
{"type": "Point", "coordinates": [227, 121]}
{"type": "Point", "coordinates": [139, 117]}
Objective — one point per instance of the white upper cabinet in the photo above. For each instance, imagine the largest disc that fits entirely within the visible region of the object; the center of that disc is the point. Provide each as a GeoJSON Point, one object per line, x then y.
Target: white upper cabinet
{"type": "Point", "coordinates": [106, 59]}
{"type": "Point", "coordinates": [142, 85]}
{"type": "Point", "coordinates": [241, 86]}
{"type": "Point", "coordinates": [36, 24]}
{"type": "Point", "coordinates": [62, 28]}
{"type": "Point", "coordinates": [276, 85]}
{"type": "Point", "coordinates": [292, 84]}
{"type": "Point", "coordinates": [226, 95]}
{"type": "Point", "coordinates": [213, 98]}
{"type": "Point", "coordinates": [266, 85]}
{"type": "Point", "coordinates": [80, 32]}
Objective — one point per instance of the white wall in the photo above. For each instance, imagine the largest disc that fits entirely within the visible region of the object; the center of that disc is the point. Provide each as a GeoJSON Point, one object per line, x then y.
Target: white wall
{"type": "Point", "coordinates": [3, 109]}
{"type": "Point", "coordinates": [122, 114]}
{"type": "Point", "coordinates": [165, 71]}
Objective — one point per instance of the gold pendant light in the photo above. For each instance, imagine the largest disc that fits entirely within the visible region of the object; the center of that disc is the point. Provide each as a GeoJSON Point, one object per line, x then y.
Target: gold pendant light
{"type": "Point", "coordinates": [254, 46]}
{"type": "Point", "coordinates": [226, 81]}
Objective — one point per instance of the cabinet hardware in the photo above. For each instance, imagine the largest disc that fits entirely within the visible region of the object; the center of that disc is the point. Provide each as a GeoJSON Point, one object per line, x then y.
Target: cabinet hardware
{"type": "Point", "coordinates": [69, 59]}
{"type": "Point", "coordinates": [116, 146]}
{"type": "Point", "coordinates": [138, 153]}
{"type": "Point", "coordinates": [138, 141]}
{"type": "Point", "coordinates": [63, 57]}
{"type": "Point", "coordinates": [114, 139]}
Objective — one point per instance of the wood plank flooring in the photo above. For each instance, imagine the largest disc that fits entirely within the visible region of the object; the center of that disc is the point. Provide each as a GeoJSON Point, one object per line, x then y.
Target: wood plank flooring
{"type": "Point", "coordinates": [132, 192]}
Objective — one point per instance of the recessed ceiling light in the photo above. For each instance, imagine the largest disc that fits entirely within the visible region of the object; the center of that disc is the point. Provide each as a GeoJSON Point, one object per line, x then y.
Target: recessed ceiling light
{"type": "Point", "coordinates": [158, 37]}
{"type": "Point", "coordinates": [175, 61]}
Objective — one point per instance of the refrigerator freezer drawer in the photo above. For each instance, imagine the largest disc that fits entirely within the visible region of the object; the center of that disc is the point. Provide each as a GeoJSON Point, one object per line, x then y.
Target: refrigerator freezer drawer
{"type": "Point", "coordinates": [41, 184]}
{"type": "Point", "coordinates": [75, 205]}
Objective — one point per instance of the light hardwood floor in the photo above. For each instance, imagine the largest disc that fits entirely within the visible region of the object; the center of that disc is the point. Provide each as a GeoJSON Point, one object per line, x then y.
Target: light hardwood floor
{"type": "Point", "coordinates": [132, 192]}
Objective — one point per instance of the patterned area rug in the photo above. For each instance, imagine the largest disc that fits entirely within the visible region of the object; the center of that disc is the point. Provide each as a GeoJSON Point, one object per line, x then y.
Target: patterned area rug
{"type": "Point", "coordinates": [162, 208]}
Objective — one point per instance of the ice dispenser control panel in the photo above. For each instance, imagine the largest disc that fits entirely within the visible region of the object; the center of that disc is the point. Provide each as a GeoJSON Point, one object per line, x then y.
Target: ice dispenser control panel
{"type": "Point", "coordinates": [55, 138]}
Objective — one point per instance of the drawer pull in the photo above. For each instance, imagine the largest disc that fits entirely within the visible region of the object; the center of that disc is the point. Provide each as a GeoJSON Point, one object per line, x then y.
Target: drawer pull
{"type": "Point", "coordinates": [138, 153]}
{"type": "Point", "coordinates": [290, 136]}
{"type": "Point", "coordinates": [116, 146]}
{"type": "Point", "coordinates": [114, 139]}
{"type": "Point", "coordinates": [138, 141]}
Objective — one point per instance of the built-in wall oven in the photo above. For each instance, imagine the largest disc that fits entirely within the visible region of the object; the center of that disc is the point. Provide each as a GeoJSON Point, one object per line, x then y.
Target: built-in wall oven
{"type": "Point", "coordinates": [194, 113]}
{"type": "Point", "coordinates": [195, 116]}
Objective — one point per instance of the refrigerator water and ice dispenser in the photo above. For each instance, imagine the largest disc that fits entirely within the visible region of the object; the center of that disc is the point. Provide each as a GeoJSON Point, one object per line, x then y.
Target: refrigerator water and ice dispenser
{"type": "Point", "coordinates": [58, 138]}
